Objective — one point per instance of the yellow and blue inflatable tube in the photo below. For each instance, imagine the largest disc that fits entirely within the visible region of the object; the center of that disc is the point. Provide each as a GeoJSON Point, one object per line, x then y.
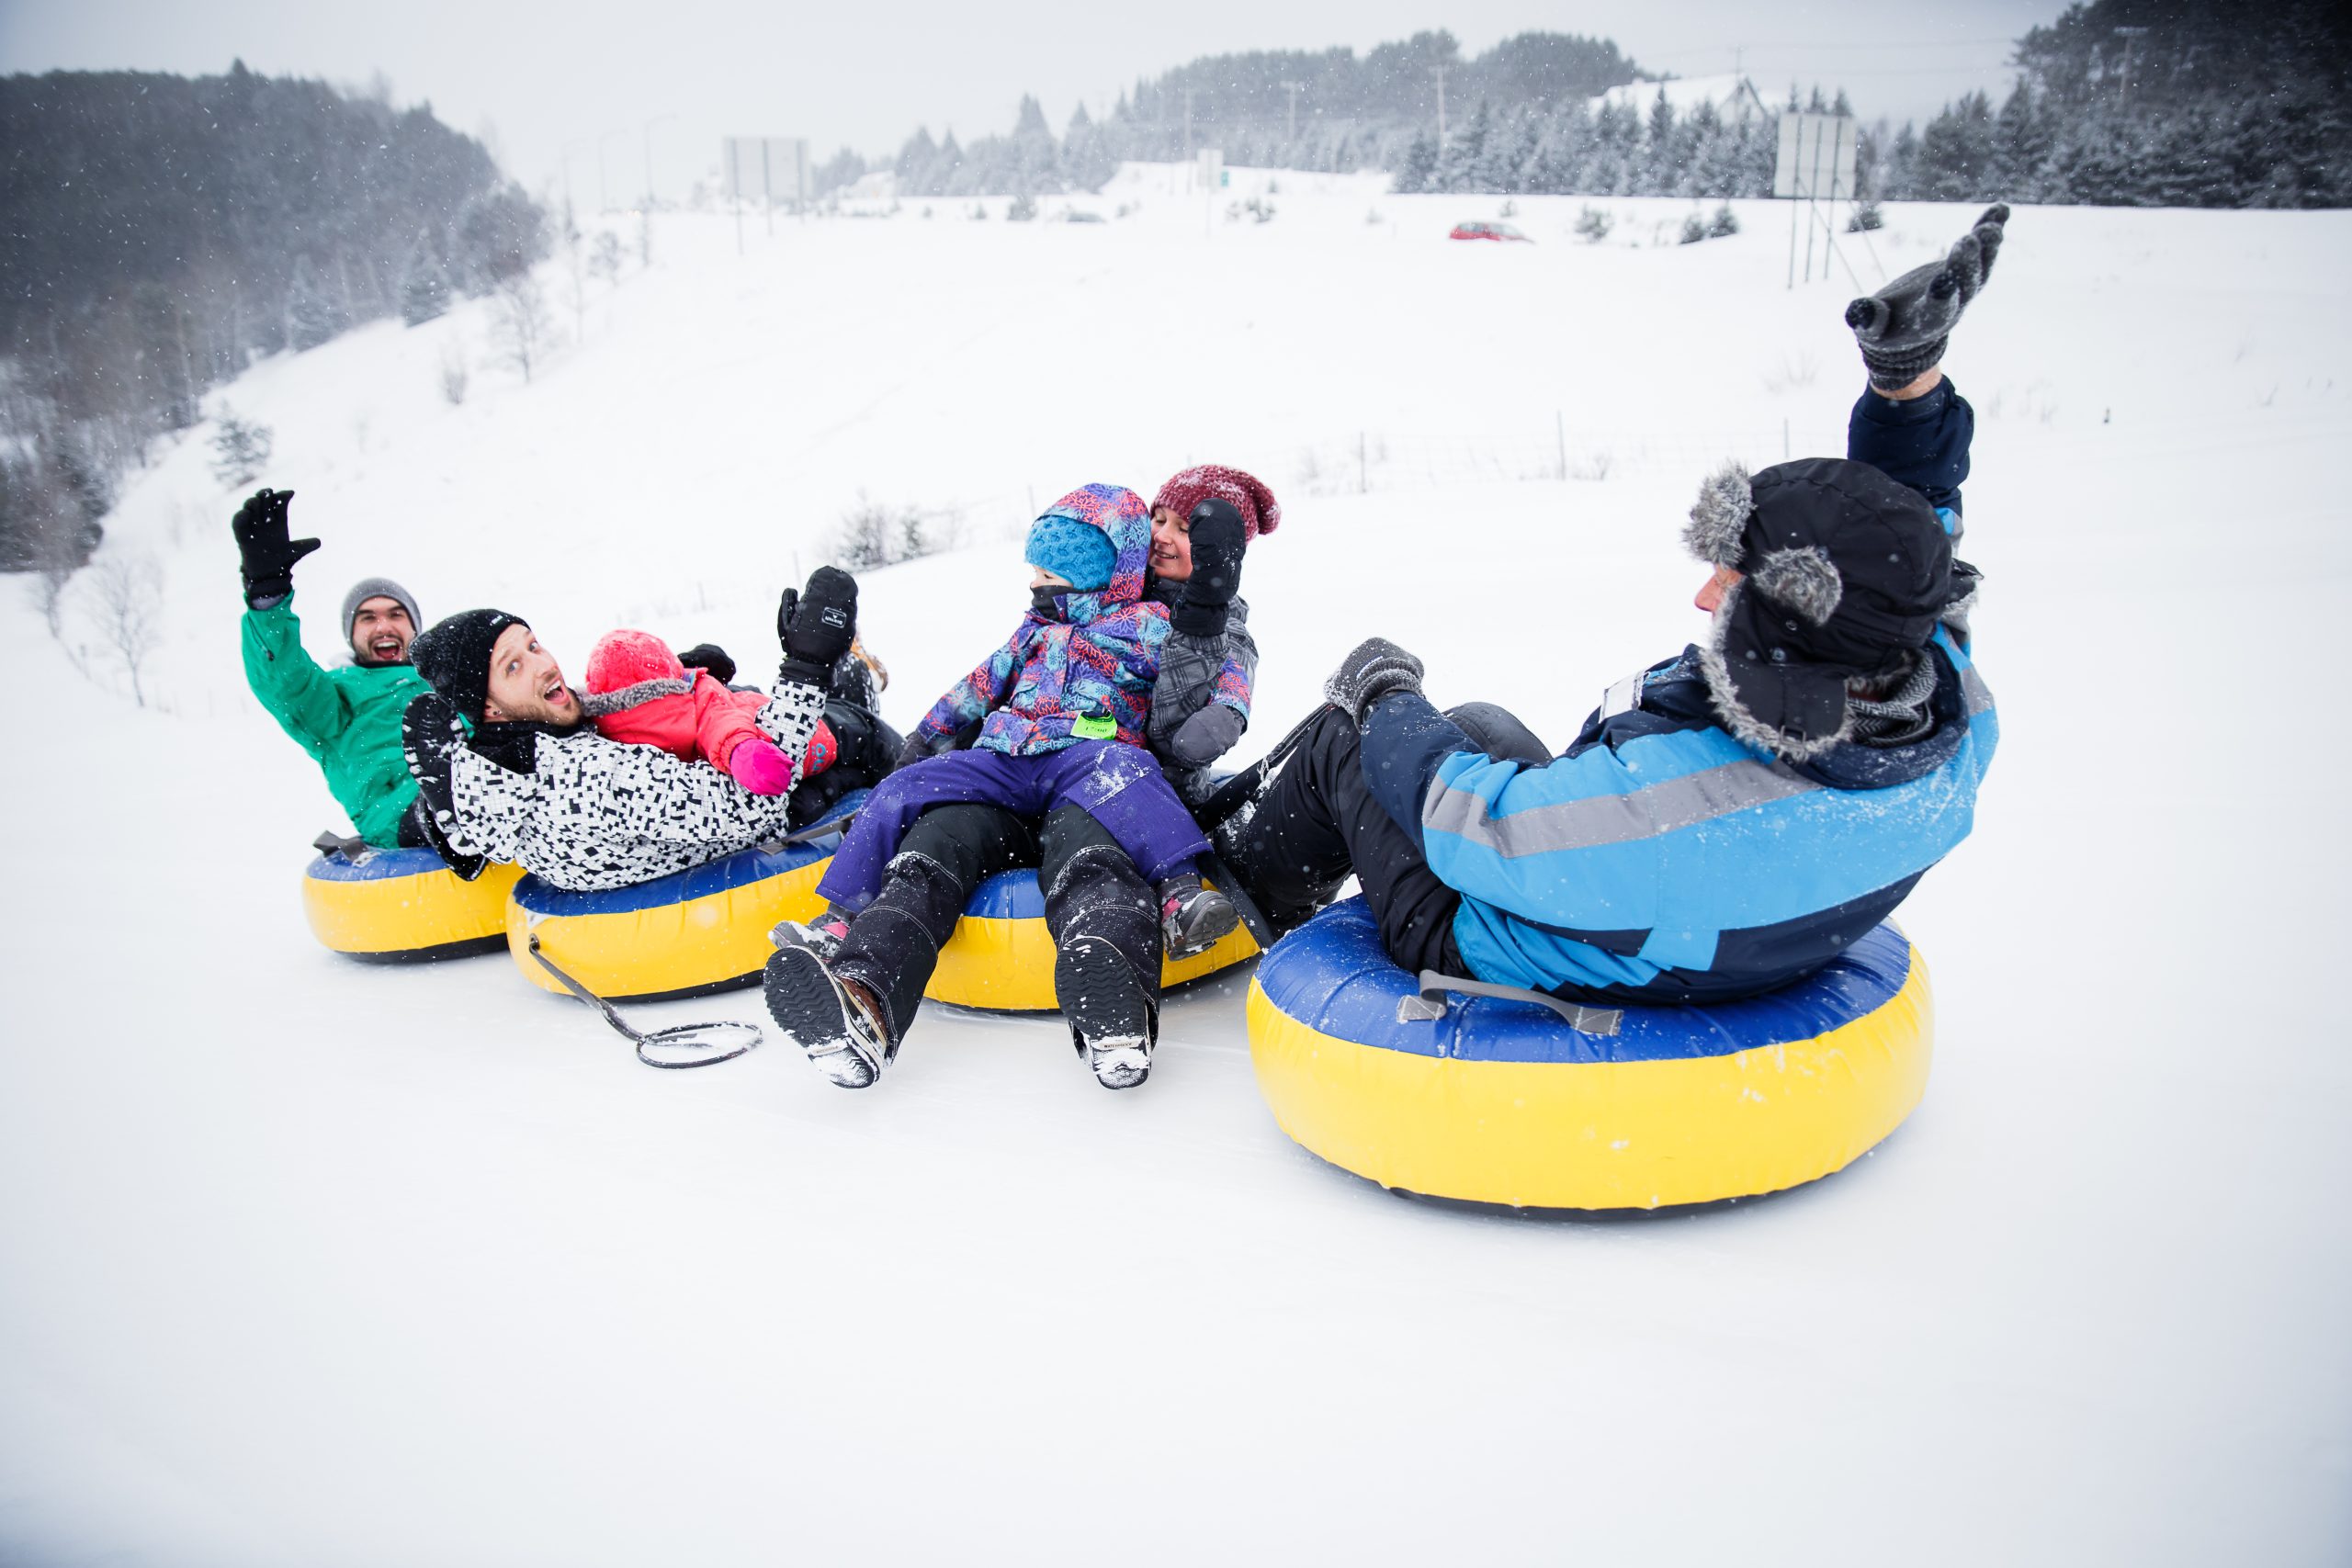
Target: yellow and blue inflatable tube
{"type": "Point", "coordinates": [404, 906]}
{"type": "Point", "coordinates": [1503, 1102]}
{"type": "Point", "coordinates": [1001, 956]}
{"type": "Point", "coordinates": [701, 930]}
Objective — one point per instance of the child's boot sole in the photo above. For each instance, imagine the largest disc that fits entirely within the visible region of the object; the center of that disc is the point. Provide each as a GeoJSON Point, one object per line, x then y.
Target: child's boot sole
{"type": "Point", "coordinates": [810, 1006]}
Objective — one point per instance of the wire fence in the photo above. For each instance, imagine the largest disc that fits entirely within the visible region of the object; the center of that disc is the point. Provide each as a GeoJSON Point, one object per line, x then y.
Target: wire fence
{"type": "Point", "coordinates": [1381, 461]}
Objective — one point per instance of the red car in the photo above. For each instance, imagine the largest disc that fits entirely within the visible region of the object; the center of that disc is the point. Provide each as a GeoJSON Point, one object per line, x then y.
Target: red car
{"type": "Point", "coordinates": [1488, 231]}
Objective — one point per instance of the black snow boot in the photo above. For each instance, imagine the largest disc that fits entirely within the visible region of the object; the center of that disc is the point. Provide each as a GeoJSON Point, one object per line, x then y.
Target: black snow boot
{"type": "Point", "coordinates": [1113, 1021]}
{"type": "Point", "coordinates": [1105, 921]}
{"type": "Point", "coordinates": [1193, 919]}
{"type": "Point", "coordinates": [431, 735]}
{"type": "Point", "coordinates": [839, 1029]}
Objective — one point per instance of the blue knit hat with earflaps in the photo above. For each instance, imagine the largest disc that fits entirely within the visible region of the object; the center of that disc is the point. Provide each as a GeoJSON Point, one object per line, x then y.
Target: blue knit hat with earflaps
{"type": "Point", "coordinates": [1075, 550]}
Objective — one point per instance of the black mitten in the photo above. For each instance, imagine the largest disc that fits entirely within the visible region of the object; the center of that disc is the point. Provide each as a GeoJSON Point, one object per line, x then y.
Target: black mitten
{"type": "Point", "coordinates": [268, 556]}
{"type": "Point", "coordinates": [916, 749]}
{"type": "Point", "coordinates": [1218, 538]}
{"type": "Point", "coordinates": [817, 625]}
{"type": "Point", "coordinates": [711, 656]}
{"type": "Point", "coordinates": [1904, 328]}
{"type": "Point", "coordinates": [1375, 670]}
{"type": "Point", "coordinates": [431, 735]}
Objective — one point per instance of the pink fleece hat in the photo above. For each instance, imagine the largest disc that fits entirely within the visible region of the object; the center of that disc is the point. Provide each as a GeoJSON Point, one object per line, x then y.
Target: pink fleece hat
{"type": "Point", "coordinates": [1259, 511]}
{"type": "Point", "coordinates": [626, 668]}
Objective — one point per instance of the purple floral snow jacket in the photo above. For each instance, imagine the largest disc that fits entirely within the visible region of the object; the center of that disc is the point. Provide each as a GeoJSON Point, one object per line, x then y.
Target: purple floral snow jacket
{"type": "Point", "coordinates": [1083, 672]}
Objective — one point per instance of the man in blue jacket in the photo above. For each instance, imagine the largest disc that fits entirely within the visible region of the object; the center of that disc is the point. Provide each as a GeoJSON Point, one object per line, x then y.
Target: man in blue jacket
{"type": "Point", "coordinates": [1729, 820]}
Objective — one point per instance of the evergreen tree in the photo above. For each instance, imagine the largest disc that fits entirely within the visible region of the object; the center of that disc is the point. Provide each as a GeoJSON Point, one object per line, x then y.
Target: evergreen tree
{"type": "Point", "coordinates": [1086, 161]}
{"type": "Point", "coordinates": [424, 283]}
{"type": "Point", "coordinates": [312, 317]}
{"type": "Point", "coordinates": [1419, 166]}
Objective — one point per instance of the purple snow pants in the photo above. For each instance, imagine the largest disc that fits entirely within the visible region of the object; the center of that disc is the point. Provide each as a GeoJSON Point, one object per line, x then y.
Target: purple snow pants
{"type": "Point", "coordinates": [1119, 785]}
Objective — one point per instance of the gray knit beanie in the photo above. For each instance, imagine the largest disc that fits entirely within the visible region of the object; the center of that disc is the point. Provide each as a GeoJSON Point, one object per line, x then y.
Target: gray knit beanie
{"type": "Point", "coordinates": [369, 588]}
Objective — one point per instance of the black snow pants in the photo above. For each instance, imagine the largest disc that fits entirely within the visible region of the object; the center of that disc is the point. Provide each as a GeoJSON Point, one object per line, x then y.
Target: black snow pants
{"type": "Point", "coordinates": [1090, 888]}
{"type": "Point", "coordinates": [1317, 822]}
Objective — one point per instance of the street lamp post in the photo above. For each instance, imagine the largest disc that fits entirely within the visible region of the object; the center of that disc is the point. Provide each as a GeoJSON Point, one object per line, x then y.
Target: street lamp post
{"type": "Point", "coordinates": [568, 149]}
{"type": "Point", "coordinates": [604, 201]}
{"type": "Point", "coordinates": [650, 124]}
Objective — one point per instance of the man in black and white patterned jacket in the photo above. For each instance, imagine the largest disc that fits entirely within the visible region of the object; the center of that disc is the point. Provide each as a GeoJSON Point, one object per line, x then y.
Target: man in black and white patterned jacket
{"type": "Point", "coordinates": [534, 784]}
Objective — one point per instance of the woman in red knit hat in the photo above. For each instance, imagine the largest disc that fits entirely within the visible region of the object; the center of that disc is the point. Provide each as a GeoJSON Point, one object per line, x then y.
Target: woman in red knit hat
{"type": "Point", "coordinates": [1202, 521]}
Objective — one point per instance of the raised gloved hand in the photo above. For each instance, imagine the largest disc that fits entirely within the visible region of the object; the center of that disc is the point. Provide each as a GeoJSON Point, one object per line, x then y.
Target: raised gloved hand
{"type": "Point", "coordinates": [711, 656]}
{"type": "Point", "coordinates": [1218, 537]}
{"type": "Point", "coordinates": [431, 736]}
{"type": "Point", "coordinates": [1375, 669]}
{"type": "Point", "coordinates": [760, 767]}
{"type": "Point", "coordinates": [1904, 327]}
{"type": "Point", "coordinates": [1206, 736]}
{"type": "Point", "coordinates": [268, 556]}
{"type": "Point", "coordinates": [817, 625]}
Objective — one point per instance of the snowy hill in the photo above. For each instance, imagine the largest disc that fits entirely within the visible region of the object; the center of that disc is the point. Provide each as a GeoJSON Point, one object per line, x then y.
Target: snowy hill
{"type": "Point", "coordinates": [310, 1262]}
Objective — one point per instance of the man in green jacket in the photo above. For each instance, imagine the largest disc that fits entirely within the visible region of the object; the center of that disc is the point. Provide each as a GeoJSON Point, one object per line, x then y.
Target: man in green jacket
{"type": "Point", "coordinates": [347, 718]}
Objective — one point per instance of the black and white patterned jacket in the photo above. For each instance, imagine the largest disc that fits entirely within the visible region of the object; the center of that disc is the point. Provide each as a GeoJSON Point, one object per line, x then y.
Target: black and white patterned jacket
{"type": "Point", "coordinates": [595, 814]}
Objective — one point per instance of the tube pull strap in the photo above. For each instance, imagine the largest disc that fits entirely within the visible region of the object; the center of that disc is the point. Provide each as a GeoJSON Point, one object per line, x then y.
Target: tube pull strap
{"type": "Point", "coordinates": [1429, 1004]}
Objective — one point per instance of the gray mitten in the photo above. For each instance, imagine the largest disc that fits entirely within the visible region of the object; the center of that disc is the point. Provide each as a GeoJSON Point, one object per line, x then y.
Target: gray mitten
{"type": "Point", "coordinates": [1206, 736]}
{"type": "Point", "coordinates": [1375, 669]}
{"type": "Point", "coordinates": [1904, 327]}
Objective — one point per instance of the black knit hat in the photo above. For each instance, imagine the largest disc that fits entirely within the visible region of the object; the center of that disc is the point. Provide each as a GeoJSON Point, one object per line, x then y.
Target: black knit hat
{"type": "Point", "coordinates": [453, 656]}
{"type": "Point", "coordinates": [1845, 573]}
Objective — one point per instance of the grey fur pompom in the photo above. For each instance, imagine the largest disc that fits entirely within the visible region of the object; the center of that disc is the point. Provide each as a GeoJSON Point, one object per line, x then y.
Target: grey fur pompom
{"type": "Point", "coordinates": [1720, 516]}
{"type": "Point", "coordinates": [1802, 580]}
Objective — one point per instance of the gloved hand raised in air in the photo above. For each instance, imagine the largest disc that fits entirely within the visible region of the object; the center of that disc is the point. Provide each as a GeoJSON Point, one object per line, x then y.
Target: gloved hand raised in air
{"type": "Point", "coordinates": [1217, 537]}
{"type": "Point", "coordinates": [817, 625]}
{"type": "Point", "coordinates": [268, 556]}
{"type": "Point", "coordinates": [1374, 671]}
{"type": "Point", "coordinates": [1905, 326]}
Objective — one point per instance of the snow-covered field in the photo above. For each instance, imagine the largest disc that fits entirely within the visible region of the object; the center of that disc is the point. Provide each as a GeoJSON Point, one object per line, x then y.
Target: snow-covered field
{"type": "Point", "coordinates": [304, 1262]}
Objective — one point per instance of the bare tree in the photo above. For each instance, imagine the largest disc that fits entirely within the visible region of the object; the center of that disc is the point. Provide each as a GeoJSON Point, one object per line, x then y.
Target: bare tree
{"type": "Point", "coordinates": [522, 324]}
{"type": "Point", "coordinates": [129, 595]}
{"type": "Point", "coordinates": [575, 278]}
{"type": "Point", "coordinates": [454, 376]}
{"type": "Point", "coordinates": [604, 257]}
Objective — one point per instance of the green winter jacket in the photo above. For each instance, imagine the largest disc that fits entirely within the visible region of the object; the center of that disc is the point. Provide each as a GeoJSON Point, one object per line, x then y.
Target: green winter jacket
{"type": "Point", "coordinates": [347, 718]}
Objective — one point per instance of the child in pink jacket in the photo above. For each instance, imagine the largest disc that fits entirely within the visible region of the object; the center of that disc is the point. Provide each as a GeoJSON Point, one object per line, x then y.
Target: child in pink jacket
{"type": "Point", "coordinates": [637, 692]}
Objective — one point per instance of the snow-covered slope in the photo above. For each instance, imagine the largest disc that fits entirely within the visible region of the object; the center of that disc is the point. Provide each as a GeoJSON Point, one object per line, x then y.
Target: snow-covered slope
{"type": "Point", "coordinates": [311, 1263]}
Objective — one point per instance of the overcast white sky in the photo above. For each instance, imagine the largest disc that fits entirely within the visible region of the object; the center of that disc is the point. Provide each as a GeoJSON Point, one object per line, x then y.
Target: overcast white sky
{"type": "Point", "coordinates": [538, 78]}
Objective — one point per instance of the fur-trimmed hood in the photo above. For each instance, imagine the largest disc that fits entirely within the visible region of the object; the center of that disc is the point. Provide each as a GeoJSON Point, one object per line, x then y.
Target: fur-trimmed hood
{"type": "Point", "coordinates": [1845, 574]}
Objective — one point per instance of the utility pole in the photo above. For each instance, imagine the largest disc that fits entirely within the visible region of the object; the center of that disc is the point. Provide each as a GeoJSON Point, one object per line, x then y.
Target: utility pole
{"type": "Point", "coordinates": [1441, 106]}
{"type": "Point", "coordinates": [650, 124]}
{"type": "Point", "coordinates": [2128, 35]}
{"type": "Point", "coordinates": [1289, 112]}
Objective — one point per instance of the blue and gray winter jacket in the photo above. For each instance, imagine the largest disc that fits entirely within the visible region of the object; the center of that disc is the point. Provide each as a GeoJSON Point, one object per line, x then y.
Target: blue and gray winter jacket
{"type": "Point", "coordinates": [1660, 860]}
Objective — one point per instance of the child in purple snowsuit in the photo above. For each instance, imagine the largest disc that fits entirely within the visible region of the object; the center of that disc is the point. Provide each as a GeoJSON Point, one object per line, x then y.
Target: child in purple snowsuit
{"type": "Point", "coordinates": [1062, 707]}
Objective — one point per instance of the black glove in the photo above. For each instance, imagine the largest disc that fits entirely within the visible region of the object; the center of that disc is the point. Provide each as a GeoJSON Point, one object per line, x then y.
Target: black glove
{"type": "Point", "coordinates": [268, 554]}
{"type": "Point", "coordinates": [1904, 327]}
{"type": "Point", "coordinates": [1218, 538]}
{"type": "Point", "coordinates": [1375, 669]}
{"type": "Point", "coordinates": [711, 656]}
{"type": "Point", "coordinates": [817, 625]}
{"type": "Point", "coordinates": [431, 736]}
{"type": "Point", "coordinates": [916, 749]}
